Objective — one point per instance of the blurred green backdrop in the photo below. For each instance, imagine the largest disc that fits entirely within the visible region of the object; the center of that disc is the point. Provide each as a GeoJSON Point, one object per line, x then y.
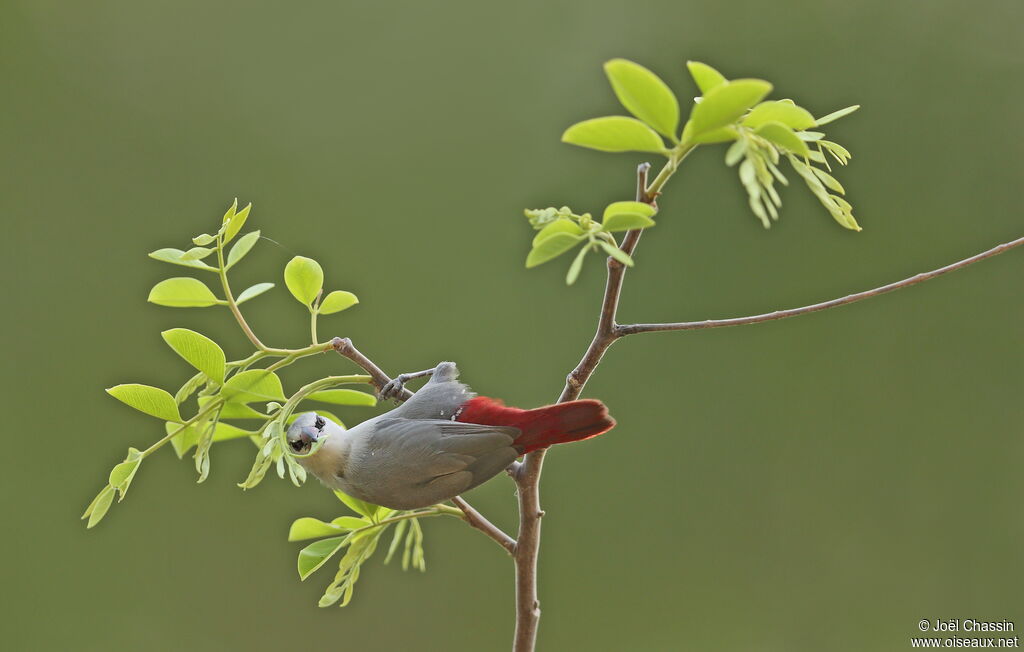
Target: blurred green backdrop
{"type": "Point", "coordinates": [814, 484]}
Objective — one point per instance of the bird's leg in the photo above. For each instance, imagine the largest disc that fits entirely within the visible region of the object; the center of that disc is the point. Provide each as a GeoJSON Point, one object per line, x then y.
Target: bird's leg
{"type": "Point", "coordinates": [395, 386]}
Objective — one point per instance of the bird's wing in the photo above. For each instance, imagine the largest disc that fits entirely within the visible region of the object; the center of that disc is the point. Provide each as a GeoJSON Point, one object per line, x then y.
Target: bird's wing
{"type": "Point", "coordinates": [424, 461]}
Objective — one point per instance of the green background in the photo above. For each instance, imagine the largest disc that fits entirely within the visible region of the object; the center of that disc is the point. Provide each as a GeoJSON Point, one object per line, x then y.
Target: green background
{"type": "Point", "coordinates": [815, 484]}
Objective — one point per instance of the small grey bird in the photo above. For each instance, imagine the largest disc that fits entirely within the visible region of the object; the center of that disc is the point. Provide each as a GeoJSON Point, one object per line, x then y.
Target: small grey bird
{"type": "Point", "coordinates": [440, 443]}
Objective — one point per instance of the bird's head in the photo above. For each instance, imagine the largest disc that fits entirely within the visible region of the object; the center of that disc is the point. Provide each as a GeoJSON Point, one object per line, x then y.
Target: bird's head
{"type": "Point", "coordinates": [306, 431]}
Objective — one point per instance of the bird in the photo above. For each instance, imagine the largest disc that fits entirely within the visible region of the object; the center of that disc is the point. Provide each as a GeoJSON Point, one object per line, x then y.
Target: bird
{"type": "Point", "coordinates": [441, 442]}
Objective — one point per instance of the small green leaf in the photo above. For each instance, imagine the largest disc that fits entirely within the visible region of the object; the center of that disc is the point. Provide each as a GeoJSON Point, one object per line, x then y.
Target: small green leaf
{"type": "Point", "coordinates": [311, 528]}
{"type": "Point", "coordinates": [560, 225]}
{"type": "Point", "coordinates": [198, 350]}
{"type": "Point", "coordinates": [705, 76]}
{"type": "Point", "coordinates": [368, 510]}
{"type": "Point", "coordinates": [626, 222]}
{"type": "Point", "coordinates": [241, 248]}
{"type": "Point", "coordinates": [577, 265]}
{"type": "Point", "coordinates": [789, 114]}
{"type": "Point", "coordinates": [784, 137]}
{"type": "Point", "coordinates": [629, 207]}
{"type": "Point", "coordinates": [197, 253]}
{"type": "Point", "coordinates": [725, 103]}
{"type": "Point", "coordinates": [627, 215]}
{"type": "Point", "coordinates": [182, 292]}
{"type": "Point", "coordinates": [720, 135]}
{"type": "Point", "coordinates": [203, 239]}
{"type": "Point", "coordinates": [176, 257]}
{"type": "Point", "coordinates": [253, 292]}
{"type": "Point", "coordinates": [830, 181]}
{"type": "Point", "coordinates": [735, 153]}
{"type": "Point", "coordinates": [121, 475]}
{"type": "Point", "coordinates": [551, 247]}
{"type": "Point", "coordinates": [337, 301]}
{"type": "Point", "coordinates": [150, 400]}
{"type": "Point", "coordinates": [304, 278]}
{"type": "Point", "coordinates": [316, 554]}
{"type": "Point", "coordinates": [236, 222]}
{"type": "Point", "coordinates": [614, 134]}
{"type": "Point", "coordinates": [835, 115]}
{"type": "Point", "coordinates": [616, 253]}
{"type": "Point", "coordinates": [98, 507]}
{"type": "Point", "coordinates": [343, 397]}
{"type": "Point", "coordinates": [351, 522]}
{"type": "Point", "coordinates": [233, 410]}
{"type": "Point", "coordinates": [644, 95]}
{"type": "Point", "coordinates": [253, 385]}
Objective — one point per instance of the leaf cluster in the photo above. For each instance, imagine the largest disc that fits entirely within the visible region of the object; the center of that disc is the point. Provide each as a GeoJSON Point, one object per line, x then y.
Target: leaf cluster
{"type": "Point", "coordinates": [762, 132]}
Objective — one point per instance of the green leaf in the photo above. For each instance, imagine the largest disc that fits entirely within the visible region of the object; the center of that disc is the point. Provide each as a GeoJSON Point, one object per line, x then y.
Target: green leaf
{"type": "Point", "coordinates": [98, 507]}
{"type": "Point", "coordinates": [551, 247]}
{"type": "Point", "coordinates": [182, 292]}
{"type": "Point", "coordinates": [791, 115]}
{"type": "Point", "coordinates": [304, 278]}
{"type": "Point", "coordinates": [337, 301]}
{"type": "Point", "coordinates": [626, 222]}
{"type": "Point", "coordinates": [236, 222]}
{"type": "Point", "coordinates": [720, 135]}
{"type": "Point", "coordinates": [311, 528]}
{"type": "Point", "coordinates": [150, 400]}
{"type": "Point", "coordinates": [253, 292]}
{"type": "Point", "coordinates": [344, 397]}
{"type": "Point", "coordinates": [629, 207]}
{"type": "Point", "coordinates": [644, 95]}
{"type": "Point", "coordinates": [725, 103]}
{"type": "Point", "coordinates": [835, 115]}
{"type": "Point", "coordinates": [241, 248]}
{"type": "Point", "coordinates": [198, 350]}
{"type": "Point", "coordinates": [735, 152]}
{"type": "Point", "coordinates": [253, 385]}
{"type": "Point", "coordinates": [176, 257]}
{"type": "Point", "coordinates": [233, 410]}
{"type": "Point", "coordinates": [368, 510]}
{"type": "Point", "coordinates": [614, 134]}
{"type": "Point", "coordinates": [203, 239]}
{"type": "Point", "coordinates": [616, 253]}
{"type": "Point", "coordinates": [705, 76]}
{"type": "Point", "coordinates": [784, 137]}
{"type": "Point", "coordinates": [627, 215]}
{"type": "Point", "coordinates": [351, 522]}
{"type": "Point", "coordinates": [197, 253]}
{"type": "Point", "coordinates": [577, 265]}
{"type": "Point", "coordinates": [121, 475]}
{"type": "Point", "coordinates": [560, 225]}
{"type": "Point", "coordinates": [830, 181]}
{"type": "Point", "coordinates": [316, 554]}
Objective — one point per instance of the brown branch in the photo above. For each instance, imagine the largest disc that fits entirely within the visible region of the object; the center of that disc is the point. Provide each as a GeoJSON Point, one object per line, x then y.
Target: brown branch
{"type": "Point", "coordinates": [631, 329]}
{"type": "Point", "coordinates": [477, 520]}
{"type": "Point", "coordinates": [527, 474]}
{"type": "Point", "coordinates": [344, 346]}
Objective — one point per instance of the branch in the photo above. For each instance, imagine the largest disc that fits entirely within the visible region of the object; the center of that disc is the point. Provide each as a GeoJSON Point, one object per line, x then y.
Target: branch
{"type": "Point", "coordinates": [343, 346]}
{"type": "Point", "coordinates": [631, 329]}
{"type": "Point", "coordinates": [527, 474]}
{"type": "Point", "coordinates": [477, 520]}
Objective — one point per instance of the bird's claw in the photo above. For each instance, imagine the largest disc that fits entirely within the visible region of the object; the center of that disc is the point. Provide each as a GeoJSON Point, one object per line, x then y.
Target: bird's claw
{"type": "Point", "coordinates": [393, 387]}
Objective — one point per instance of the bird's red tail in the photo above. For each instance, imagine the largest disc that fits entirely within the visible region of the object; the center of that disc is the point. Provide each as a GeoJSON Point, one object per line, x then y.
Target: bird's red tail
{"type": "Point", "coordinates": [542, 427]}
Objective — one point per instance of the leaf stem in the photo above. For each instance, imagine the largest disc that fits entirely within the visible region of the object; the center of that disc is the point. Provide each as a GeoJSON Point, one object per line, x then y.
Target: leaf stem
{"type": "Point", "coordinates": [232, 304]}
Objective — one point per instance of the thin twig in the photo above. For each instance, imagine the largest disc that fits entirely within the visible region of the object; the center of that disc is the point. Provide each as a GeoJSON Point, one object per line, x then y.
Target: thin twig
{"type": "Point", "coordinates": [632, 329]}
{"type": "Point", "coordinates": [477, 520]}
{"type": "Point", "coordinates": [344, 346]}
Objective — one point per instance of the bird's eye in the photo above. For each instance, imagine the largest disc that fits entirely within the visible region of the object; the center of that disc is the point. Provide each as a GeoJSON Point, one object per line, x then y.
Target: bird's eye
{"type": "Point", "coordinates": [297, 445]}
{"type": "Point", "coordinates": [319, 423]}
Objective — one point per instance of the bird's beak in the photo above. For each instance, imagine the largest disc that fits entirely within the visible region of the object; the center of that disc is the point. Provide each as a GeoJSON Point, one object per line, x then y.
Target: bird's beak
{"type": "Point", "coordinates": [311, 433]}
